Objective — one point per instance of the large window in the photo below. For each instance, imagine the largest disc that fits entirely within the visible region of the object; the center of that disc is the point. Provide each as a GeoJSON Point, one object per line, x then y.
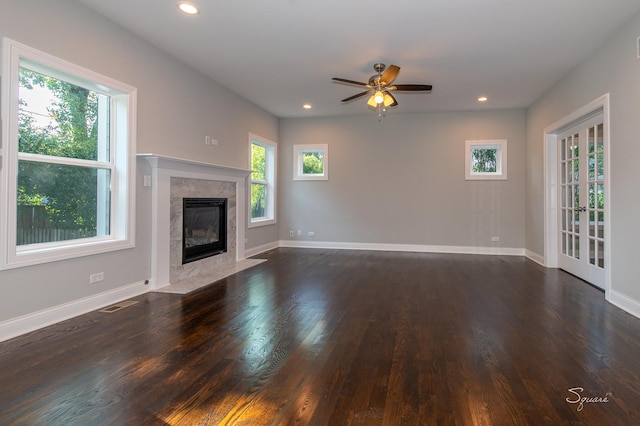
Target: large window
{"type": "Point", "coordinates": [67, 187]}
{"type": "Point", "coordinates": [262, 203]}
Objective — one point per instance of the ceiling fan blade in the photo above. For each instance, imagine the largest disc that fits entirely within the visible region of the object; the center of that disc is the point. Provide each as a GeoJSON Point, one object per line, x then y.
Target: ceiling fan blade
{"type": "Point", "coordinates": [344, 80]}
{"type": "Point", "coordinates": [390, 74]}
{"type": "Point", "coordinates": [359, 95]}
{"type": "Point", "coordinates": [411, 87]}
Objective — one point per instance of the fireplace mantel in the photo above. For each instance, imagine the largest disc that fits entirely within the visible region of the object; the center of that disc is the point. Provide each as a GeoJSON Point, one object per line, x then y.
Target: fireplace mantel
{"type": "Point", "coordinates": [163, 168]}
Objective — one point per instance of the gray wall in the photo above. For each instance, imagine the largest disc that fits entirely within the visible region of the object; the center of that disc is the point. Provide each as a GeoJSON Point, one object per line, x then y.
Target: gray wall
{"type": "Point", "coordinates": [402, 181]}
{"type": "Point", "coordinates": [613, 69]}
{"type": "Point", "coordinates": [177, 107]}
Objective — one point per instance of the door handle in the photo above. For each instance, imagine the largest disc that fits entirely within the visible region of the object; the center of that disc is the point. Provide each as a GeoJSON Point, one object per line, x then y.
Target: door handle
{"type": "Point", "coordinates": [581, 209]}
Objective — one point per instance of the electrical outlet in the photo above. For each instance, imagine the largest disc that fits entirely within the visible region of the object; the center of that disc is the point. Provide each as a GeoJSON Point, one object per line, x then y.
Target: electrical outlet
{"type": "Point", "coordinates": [311, 234]}
{"type": "Point", "coordinates": [299, 233]}
{"type": "Point", "coordinates": [147, 180]}
{"type": "Point", "coordinates": [495, 238]}
{"type": "Point", "coordinates": [208, 140]}
{"type": "Point", "coordinates": [291, 233]}
{"type": "Point", "coordinates": [94, 278]}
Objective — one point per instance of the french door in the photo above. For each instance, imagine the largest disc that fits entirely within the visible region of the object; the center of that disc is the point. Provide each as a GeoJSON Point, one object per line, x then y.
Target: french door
{"type": "Point", "coordinates": [581, 240]}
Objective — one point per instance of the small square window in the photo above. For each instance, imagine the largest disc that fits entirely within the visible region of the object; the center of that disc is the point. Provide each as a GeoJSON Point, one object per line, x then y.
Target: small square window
{"type": "Point", "coordinates": [311, 162]}
{"type": "Point", "coordinates": [486, 160]}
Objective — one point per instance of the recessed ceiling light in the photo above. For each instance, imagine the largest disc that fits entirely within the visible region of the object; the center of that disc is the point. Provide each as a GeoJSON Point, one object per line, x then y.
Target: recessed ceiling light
{"type": "Point", "coordinates": [188, 8]}
{"type": "Point", "coordinates": [483, 99]}
{"type": "Point", "coordinates": [306, 106]}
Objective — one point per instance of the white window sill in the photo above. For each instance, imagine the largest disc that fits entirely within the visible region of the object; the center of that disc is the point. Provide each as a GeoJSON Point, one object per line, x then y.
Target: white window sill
{"type": "Point", "coordinates": [256, 223]}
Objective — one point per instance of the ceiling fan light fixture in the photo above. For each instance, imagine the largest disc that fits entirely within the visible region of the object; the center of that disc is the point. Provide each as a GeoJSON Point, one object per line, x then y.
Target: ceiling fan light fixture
{"type": "Point", "coordinates": [379, 88]}
{"type": "Point", "coordinates": [388, 100]}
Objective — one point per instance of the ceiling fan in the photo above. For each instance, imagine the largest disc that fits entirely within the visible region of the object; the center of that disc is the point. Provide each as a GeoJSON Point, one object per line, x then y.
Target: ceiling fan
{"type": "Point", "coordinates": [379, 87]}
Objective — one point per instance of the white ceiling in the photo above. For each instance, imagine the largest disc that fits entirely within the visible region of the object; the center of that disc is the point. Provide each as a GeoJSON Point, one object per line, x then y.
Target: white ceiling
{"type": "Point", "coordinates": [280, 54]}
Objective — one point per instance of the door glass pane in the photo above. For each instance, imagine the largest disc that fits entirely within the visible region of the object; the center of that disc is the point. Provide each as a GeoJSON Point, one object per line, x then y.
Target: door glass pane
{"type": "Point", "coordinates": [576, 247]}
{"type": "Point", "coordinates": [600, 151]}
{"type": "Point", "coordinates": [563, 173]}
{"type": "Point", "coordinates": [576, 217]}
{"type": "Point", "coordinates": [592, 196]}
{"type": "Point", "coordinates": [592, 223]}
{"type": "Point", "coordinates": [601, 254]}
{"type": "Point", "coordinates": [601, 224]}
{"type": "Point", "coordinates": [575, 149]}
{"type": "Point", "coordinates": [600, 196]}
{"type": "Point", "coordinates": [569, 214]}
{"type": "Point", "coordinates": [600, 161]}
{"type": "Point", "coordinates": [592, 252]}
{"type": "Point", "coordinates": [563, 149]}
{"type": "Point", "coordinates": [576, 196]}
{"type": "Point", "coordinates": [570, 196]}
{"type": "Point", "coordinates": [570, 246]}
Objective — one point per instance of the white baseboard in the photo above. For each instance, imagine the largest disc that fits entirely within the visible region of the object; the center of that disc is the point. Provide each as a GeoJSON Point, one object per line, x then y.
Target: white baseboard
{"type": "Point", "coordinates": [538, 258]}
{"type": "Point", "coordinates": [417, 248]}
{"type": "Point", "coordinates": [624, 302]}
{"type": "Point", "coordinates": [31, 322]}
{"type": "Point", "coordinates": [253, 251]}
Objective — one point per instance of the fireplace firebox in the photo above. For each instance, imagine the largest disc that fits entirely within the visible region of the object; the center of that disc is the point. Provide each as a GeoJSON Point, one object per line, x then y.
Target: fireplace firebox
{"type": "Point", "coordinates": [204, 228]}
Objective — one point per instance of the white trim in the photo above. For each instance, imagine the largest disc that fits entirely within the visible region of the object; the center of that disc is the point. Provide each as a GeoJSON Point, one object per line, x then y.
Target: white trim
{"type": "Point", "coordinates": [624, 302]}
{"type": "Point", "coordinates": [538, 258]}
{"type": "Point", "coordinates": [254, 251]}
{"type": "Point", "coordinates": [163, 169]}
{"type": "Point", "coordinates": [34, 321]}
{"type": "Point", "coordinates": [416, 248]}
{"type": "Point", "coordinates": [550, 167]}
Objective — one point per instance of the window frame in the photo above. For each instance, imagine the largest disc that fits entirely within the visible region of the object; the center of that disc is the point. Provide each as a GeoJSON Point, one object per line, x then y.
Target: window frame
{"type": "Point", "coordinates": [121, 161]}
{"type": "Point", "coordinates": [271, 158]}
{"type": "Point", "coordinates": [501, 159]}
{"type": "Point", "coordinates": [298, 156]}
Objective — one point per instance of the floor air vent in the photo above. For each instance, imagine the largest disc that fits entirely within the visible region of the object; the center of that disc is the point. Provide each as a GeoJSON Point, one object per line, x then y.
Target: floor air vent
{"type": "Point", "coordinates": [118, 306]}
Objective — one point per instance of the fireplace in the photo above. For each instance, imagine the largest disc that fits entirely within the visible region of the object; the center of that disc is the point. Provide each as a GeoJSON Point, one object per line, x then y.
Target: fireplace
{"type": "Point", "coordinates": [204, 228]}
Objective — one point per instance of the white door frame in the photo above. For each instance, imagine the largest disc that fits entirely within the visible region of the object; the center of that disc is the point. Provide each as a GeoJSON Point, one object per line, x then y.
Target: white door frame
{"type": "Point", "coordinates": [550, 153]}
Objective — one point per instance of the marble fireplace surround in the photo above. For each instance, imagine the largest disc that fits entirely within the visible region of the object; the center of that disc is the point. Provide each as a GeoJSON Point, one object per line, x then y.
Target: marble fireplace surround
{"type": "Point", "coordinates": [173, 179]}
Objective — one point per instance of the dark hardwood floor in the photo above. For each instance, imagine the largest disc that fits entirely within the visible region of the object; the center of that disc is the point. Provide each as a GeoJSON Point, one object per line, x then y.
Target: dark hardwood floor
{"type": "Point", "coordinates": [327, 337]}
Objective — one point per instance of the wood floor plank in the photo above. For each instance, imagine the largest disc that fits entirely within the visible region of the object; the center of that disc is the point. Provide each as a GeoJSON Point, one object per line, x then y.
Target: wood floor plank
{"type": "Point", "coordinates": [331, 337]}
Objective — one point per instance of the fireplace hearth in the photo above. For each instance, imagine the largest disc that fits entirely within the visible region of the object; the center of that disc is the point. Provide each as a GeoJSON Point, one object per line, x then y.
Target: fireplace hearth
{"type": "Point", "coordinates": [204, 228]}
